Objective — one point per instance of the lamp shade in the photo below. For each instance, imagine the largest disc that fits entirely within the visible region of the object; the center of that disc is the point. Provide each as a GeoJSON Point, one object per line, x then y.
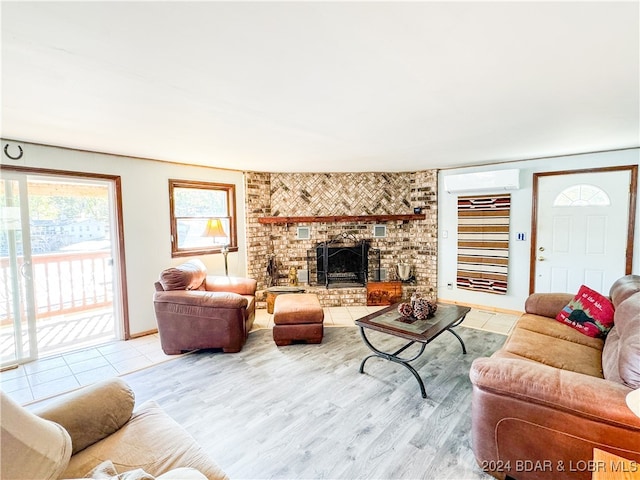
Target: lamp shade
{"type": "Point", "coordinates": [633, 401]}
{"type": "Point", "coordinates": [214, 228]}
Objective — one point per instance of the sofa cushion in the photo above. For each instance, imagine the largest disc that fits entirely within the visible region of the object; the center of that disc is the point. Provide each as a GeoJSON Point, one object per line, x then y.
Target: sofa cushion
{"type": "Point", "coordinates": [589, 312]}
{"type": "Point", "coordinates": [621, 354]}
{"type": "Point", "coordinates": [152, 441]}
{"type": "Point", "coordinates": [297, 308]}
{"type": "Point", "coordinates": [550, 327]}
{"type": "Point", "coordinates": [192, 303]}
{"type": "Point", "coordinates": [544, 340]}
{"type": "Point", "coordinates": [31, 447]}
{"type": "Point", "coordinates": [188, 276]}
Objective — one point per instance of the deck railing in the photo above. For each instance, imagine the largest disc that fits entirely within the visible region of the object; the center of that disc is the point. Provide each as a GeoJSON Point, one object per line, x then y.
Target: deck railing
{"type": "Point", "coordinates": [63, 283]}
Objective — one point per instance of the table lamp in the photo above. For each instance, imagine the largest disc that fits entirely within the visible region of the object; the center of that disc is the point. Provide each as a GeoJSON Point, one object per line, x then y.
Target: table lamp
{"type": "Point", "coordinates": [215, 230]}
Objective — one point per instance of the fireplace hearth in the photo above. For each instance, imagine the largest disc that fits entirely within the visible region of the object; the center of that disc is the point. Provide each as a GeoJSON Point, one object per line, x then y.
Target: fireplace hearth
{"type": "Point", "coordinates": [341, 263]}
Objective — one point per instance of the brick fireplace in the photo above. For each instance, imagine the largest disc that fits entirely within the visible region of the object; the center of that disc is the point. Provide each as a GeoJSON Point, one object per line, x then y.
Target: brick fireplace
{"type": "Point", "coordinates": [344, 196]}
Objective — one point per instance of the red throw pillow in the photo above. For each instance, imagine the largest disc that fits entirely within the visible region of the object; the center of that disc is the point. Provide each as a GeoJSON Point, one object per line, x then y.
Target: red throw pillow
{"type": "Point", "coordinates": [589, 312]}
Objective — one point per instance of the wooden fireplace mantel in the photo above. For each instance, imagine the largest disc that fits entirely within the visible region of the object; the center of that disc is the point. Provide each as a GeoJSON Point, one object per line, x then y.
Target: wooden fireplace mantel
{"type": "Point", "coordinates": [340, 218]}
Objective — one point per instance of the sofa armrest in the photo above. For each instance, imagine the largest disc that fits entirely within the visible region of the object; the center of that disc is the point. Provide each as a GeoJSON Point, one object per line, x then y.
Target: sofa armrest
{"type": "Point", "coordinates": [582, 395]}
{"type": "Point", "coordinates": [152, 441]}
{"type": "Point", "coordinates": [239, 285]}
{"type": "Point", "coordinates": [92, 413]}
{"type": "Point", "coordinates": [200, 298]}
{"type": "Point", "coordinates": [547, 304]}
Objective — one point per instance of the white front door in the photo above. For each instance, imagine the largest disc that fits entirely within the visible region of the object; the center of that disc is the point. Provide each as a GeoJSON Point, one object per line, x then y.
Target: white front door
{"type": "Point", "coordinates": [582, 227]}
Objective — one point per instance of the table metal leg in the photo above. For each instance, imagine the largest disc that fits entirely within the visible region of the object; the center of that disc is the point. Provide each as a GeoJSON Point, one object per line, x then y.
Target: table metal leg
{"type": "Point", "coordinates": [393, 357]}
{"type": "Point", "coordinates": [449, 329]}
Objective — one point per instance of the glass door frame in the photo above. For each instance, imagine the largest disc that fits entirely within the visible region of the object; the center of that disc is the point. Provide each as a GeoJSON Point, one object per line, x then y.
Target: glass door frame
{"type": "Point", "coordinates": [23, 293]}
{"type": "Point", "coordinates": [120, 298]}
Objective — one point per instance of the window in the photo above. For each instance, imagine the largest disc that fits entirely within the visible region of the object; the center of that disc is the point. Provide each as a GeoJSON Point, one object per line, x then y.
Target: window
{"type": "Point", "coordinates": [582, 195]}
{"type": "Point", "coordinates": [202, 217]}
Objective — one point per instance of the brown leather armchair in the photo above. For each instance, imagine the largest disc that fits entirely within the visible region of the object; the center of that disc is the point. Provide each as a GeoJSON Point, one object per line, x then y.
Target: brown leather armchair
{"type": "Point", "coordinates": [195, 310]}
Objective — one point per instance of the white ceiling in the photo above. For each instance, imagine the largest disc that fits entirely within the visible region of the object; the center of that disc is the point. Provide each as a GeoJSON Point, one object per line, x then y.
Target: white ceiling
{"type": "Point", "coordinates": [323, 86]}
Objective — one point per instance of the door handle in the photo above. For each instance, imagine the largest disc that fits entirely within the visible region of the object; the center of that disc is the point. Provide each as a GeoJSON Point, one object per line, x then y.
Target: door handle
{"type": "Point", "coordinates": [23, 270]}
{"type": "Point", "coordinates": [541, 259]}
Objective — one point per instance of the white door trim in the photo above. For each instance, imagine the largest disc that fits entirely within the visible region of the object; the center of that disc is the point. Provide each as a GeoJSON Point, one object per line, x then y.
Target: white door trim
{"type": "Point", "coordinates": [633, 174]}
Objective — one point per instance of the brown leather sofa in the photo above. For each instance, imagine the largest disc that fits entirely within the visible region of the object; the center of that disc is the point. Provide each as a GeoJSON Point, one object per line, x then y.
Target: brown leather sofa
{"type": "Point", "coordinates": [195, 310]}
{"type": "Point", "coordinates": [550, 395]}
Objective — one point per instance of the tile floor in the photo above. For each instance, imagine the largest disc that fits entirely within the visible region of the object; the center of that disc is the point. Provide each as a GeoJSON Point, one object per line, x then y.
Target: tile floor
{"type": "Point", "coordinates": [53, 375]}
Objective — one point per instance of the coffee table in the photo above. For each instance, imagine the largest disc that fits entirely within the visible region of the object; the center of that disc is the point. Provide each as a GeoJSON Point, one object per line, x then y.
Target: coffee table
{"type": "Point", "coordinates": [389, 321]}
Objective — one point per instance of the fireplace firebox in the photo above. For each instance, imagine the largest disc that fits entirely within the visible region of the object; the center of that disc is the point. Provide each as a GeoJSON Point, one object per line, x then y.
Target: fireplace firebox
{"type": "Point", "coordinates": [340, 263]}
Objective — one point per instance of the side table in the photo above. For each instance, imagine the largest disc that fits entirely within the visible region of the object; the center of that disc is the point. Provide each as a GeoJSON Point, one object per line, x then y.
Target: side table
{"type": "Point", "coordinates": [273, 292]}
{"type": "Point", "coordinates": [607, 466]}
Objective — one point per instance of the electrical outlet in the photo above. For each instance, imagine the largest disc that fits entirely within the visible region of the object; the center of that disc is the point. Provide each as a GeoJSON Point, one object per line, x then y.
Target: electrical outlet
{"type": "Point", "coordinates": [450, 286]}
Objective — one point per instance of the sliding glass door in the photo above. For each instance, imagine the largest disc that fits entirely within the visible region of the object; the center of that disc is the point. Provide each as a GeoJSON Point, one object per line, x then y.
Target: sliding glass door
{"type": "Point", "coordinates": [17, 316]}
{"type": "Point", "coordinates": [57, 274]}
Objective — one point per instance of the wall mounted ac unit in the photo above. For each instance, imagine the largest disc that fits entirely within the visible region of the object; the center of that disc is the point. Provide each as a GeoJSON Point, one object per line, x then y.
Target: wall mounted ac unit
{"type": "Point", "coordinates": [496, 180]}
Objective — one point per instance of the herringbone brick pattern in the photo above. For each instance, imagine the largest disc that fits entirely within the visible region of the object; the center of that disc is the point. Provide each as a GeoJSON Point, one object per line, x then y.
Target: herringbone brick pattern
{"type": "Point", "coordinates": [315, 194]}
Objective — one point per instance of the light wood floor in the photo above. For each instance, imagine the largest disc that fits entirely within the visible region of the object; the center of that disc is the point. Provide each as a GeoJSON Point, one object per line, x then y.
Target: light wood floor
{"type": "Point", "coordinates": [44, 379]}
{"type": "Point", "coordinates": [304, 411]}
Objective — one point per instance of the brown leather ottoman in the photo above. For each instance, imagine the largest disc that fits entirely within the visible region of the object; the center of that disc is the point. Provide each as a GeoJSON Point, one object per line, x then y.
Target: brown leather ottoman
{"type": "Point", "coordinates": [298, 317]}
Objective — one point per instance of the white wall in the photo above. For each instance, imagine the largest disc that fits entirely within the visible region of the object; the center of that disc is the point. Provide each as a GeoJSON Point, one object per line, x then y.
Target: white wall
{"type": "Point", "coordinates": [521, 204]}
{"type": "Point", "coordinates": [145, 205]}
{"type": "Point", "coordinates": [146, 219]}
